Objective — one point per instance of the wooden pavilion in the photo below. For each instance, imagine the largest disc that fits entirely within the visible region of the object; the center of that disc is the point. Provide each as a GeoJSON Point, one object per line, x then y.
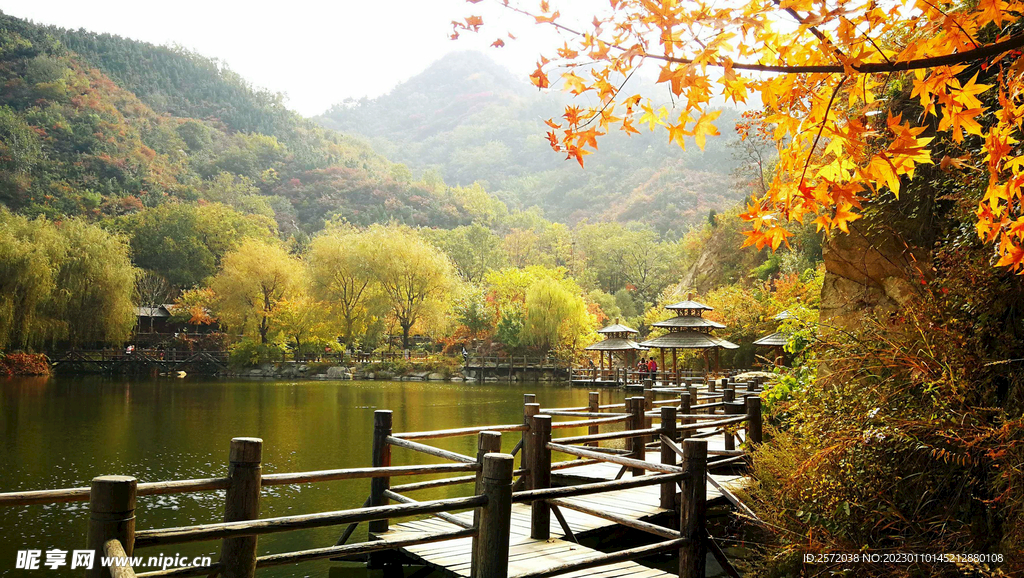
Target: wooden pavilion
{"type": "Point", "coordinates": [617, 339]}
{"type": "Point", "coordinates": [777, 341]}
{"type": "Point", "coordinates": [688, 330]}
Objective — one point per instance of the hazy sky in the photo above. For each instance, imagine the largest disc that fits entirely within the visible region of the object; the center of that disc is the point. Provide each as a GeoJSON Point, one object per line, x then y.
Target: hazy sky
{"type": "Point", "coordinates": [318, 53]}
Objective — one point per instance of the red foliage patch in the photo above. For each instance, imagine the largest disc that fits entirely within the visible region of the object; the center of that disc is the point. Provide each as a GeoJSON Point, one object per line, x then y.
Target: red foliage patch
{"type": "Point", "coordinates": [24, 364]}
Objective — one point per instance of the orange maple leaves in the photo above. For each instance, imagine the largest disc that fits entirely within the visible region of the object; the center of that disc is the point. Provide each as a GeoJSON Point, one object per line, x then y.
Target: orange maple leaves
{"type": "Point", "coordinates": [830, 71]}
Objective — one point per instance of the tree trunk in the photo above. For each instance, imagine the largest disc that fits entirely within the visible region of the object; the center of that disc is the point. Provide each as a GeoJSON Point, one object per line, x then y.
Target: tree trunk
{"type": "Point", "coordinates": [405, 335]}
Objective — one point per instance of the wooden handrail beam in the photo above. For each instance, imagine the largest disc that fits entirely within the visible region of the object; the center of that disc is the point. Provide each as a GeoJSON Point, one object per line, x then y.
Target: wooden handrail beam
{"type": "Point", "coordinates": [430, 450]}
{"type": "Point", "coordinates": [622, 461]}
{"type": "Point", "coordinates": [163, 536]}
{"type": "Point", "coordinates": [462, 431]}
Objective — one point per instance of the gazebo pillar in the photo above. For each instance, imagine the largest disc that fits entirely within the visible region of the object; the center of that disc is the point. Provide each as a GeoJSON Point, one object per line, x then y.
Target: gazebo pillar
{"type": "Point", "coordinates": [675, 367]}
{"type": "Point", "coordinates": [601, 353]}
{"type": "Point", "coordinates": [661, 366]}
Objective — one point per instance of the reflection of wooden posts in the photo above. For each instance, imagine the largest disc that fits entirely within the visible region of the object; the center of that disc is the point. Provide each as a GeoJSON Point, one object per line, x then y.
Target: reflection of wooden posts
{"type": "Point", "coordinates": [492, 541]}
{"type": "Point", "coordinates": [488, 442]}
{"type": "Point", "coordinates": [635, 408]}
{"type": "Point", "coordinates": [111, 517]}
{"type": "Point", "coordinates": [753, 420]}
{"type": "Point", "coordinates": [238, 555]}
{"type": "Point", "coordinates": [594, 406]}
{"type": "Point", "coordinates": [693, 503]}
{"type": "Point", "coordinates": [540, 525]}
{"type": "Point", "coordinates": [381, 459]}
{"type": "Point", "coordinates": [668, 456]}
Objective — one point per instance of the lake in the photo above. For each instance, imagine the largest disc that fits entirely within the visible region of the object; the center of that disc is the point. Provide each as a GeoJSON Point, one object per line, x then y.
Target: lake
{"type": "Point", "coordinates": [62, 431]}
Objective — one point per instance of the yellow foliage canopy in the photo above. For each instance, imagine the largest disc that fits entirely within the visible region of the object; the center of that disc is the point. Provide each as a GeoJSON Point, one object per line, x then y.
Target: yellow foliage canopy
{"type": "Point", "coordinates": [819, 69]}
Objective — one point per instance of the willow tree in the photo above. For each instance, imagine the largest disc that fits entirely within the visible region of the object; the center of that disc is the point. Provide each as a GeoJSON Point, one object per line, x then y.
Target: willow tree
{"type": "Point", "coordinates": [71, 282]}
{"type": "Point", "coordinates": [340, 276]}
{"type": "Point", "coordinates": [253, 283]}
{"type": "Point", "coordinates": [415, 277]}
{"type": "Point", "coordinates": [556, 315]}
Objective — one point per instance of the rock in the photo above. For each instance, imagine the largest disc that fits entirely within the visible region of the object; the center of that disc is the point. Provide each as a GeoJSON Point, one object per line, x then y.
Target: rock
{"type": "Point", "coordinates": [371, 375]}
{"type": "Point", "coordinates": [456, 379]}
{"type": "Point", "coordinates": [255, 372]}
{"type": "Point", "coordinates": [470, 380]}
{"type": "Point", "coordinates": [436, 376]}
{"type": "Point", "coordinates": [490, 379]}
{"type": "Point", "coordinates": [337, 372]}
{"type": "Point", "coordinates": [303, 368]}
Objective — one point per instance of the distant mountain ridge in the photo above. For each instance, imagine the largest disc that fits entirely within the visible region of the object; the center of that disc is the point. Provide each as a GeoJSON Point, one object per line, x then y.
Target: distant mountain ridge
{"type": "Point", "coordinates": [470, 119]}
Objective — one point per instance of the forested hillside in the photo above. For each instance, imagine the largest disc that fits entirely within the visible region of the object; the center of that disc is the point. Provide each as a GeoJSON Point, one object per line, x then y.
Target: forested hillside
{"type": "Point", "coordinates": [99, 125]}
{"type": "Point", "coordinates": [472, 120]}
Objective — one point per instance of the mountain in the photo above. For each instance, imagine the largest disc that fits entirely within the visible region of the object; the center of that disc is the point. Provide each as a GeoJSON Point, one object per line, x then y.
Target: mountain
{"type": "Point", "coordinates": [99, 125]}
{"type": "Point", "coordinates": [472, 120]}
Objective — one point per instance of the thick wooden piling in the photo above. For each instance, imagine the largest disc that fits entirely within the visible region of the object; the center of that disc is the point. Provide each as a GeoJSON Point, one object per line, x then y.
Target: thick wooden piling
{"type": "Point", "coordinates": [488, 442]}
{"type": "Point", "coordinates": [540, 465]}
{"type": "Point", "coordinates": [685, 401]}
{"type": "Point", "coordinates": [238, 555]}
{"type": "Point", "coordinates": [635, 408]}
{"type": "Point", "coordinates": [111, 517]}
{"type": "Point", "coordinates": [490, 552]}
{"type": "Point", "coordinates": [693, 505]}
{"type": "Point", "coordinates": [381, 458]}
{"type": "Point", "coordinates": [530, 409]}
{"type": "Point", "coordinates": [754, 420]}
{"type": "Point", "coordinates": [668, 456]}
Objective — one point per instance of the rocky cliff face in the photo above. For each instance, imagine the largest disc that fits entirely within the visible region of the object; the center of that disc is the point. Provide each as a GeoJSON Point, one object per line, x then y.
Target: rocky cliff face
{"type": "Point", "coordinates": [870, 271]}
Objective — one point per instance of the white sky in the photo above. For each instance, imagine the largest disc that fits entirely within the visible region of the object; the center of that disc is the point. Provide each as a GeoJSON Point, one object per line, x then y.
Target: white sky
{"type": "Point", "coordinates": [317, 53]}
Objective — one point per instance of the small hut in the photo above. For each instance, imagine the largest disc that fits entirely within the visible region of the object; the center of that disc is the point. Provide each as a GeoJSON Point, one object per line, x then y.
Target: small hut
{"type": "Point", "coordinates": [688, 330]}
{"type": "Point", "coordinates": [617, 339]}
{"type": "Point", "coordinates": [777, 341]}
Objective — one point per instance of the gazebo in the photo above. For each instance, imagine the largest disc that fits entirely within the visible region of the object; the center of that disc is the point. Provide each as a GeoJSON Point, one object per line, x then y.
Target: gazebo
{"type": "Point", "coordinates": [617, 338]}
{"type": "Point", "coordinates": [688, 330]}
{"type": "Point", "coordinates": [777, 341]}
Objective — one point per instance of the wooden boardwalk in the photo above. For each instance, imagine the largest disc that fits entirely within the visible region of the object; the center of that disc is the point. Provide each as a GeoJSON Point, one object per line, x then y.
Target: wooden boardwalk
{"type": "Point", "coordinates": [526, 554]}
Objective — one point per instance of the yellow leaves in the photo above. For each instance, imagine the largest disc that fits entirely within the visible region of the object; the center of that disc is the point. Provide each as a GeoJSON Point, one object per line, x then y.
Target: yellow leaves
{"type": "Point", "coordinates": [573, 83]}
{"type": "Point", "coordinates": [704, 127]}
{"type": "Point", "coordinates": [676, 132]}
{"type": "Point", "coordinates": [960, 121]}
{"type": "Point", "coordinates": [538, 78]}
{"type": "Point", "coordinates": [652, 118]}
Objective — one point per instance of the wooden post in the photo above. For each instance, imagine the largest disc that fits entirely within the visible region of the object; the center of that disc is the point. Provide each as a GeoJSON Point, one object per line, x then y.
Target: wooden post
{"type": "Point", "coordinates": [492, 541]}
{"type": "Point", "coordinates": [111, 516]}
{"type": "Point", "coordinates": [381, 458]}
{"type": "Point", "coordinates": [540, 431]}
{"type": "Point", "coordinates": [488, 442]}
{"type": "Point", "coordinates": [675, 366]}
{"type": "Point", "coordinates": [661, 366]}
{"type": "Point", "coordinates": [711, 385]}
{"type": "Point", "coordinates": [693, 502]}
{"type": "Point", "coordinates": [728, 394]}
{"type": "Point", "coordinates": [733, 408]}
{"type": "Point", "coordinates": [594, 406]}
{"type": "Point", "coordinates": [668, 429]}
{"type": "Point", "coordinates": [530, 409]}
{"type": "Point", "coordinates": [238, 555]}
{"type": "Point", "coordinates": [648, 406]}
{"type": "Point", "coordinates": [636, 443]}
{"type": "Point", "coordinates": [685, 400]}
{"type": "Point", "coordinates": [753, 420]}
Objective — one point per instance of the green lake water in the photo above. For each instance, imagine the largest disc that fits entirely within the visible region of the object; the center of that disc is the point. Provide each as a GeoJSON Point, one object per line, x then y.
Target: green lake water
{"type": "Point", "coordinates": [61, 432]}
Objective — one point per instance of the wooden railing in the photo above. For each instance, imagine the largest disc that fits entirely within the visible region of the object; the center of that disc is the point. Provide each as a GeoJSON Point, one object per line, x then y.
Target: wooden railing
{"type": "Point", "coordinates": [624, 375]}
{"type": "Point", "coordinates": [690, 415]}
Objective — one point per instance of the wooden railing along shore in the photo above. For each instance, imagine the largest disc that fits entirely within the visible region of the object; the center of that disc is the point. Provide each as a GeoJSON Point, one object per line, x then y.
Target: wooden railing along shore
{"type": "Point", "coordinates": [685, 420]}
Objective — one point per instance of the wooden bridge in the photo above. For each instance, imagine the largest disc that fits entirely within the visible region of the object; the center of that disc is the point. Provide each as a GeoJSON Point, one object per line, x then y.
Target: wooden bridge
{"type": "Point", "coordinates": [655, 484]}
{"type": "Point", "coordinates": [622, 376]}
{"type": "Point", "coordinates": [510, 366]}
{"type": "Point", "coordinates": [144, 362]}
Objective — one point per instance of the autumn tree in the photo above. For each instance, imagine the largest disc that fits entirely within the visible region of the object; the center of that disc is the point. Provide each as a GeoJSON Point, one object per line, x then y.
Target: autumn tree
{"type": "Point", "coordinates": [415, 276]}
{"type": "Point", "coordinates": [340, 275]}
{"type": "Point", "coordinates": [474, 249]}
{"type": "Point", "coordinates": [556, 315]}
{"type": "Point", "coordinates": [821, 75]}
{"type": "Point", "coordinates": [254, 282]}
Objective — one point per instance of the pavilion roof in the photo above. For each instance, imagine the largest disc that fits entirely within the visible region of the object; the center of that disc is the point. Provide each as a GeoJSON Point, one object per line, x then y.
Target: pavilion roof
{"type": "Point", "coordinates": [616, 344]}
{"type": "Point", "coordinates": [689, 321]}
{"type": "Point", "coordinates": [617, 328]}
{"type": "Point", "coordinates": [689, 304]}
{"type": "Point", "coordinates": [775, 339]}
{"type": "Point", "coordinates": [688, 339]}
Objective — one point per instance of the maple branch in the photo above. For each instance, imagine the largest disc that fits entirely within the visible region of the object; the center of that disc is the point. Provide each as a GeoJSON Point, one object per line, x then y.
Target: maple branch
{"type": "Point", "coordinates": [821, 129]}
{"type": "Point", "coordinates": [814, 30]}
{"type": "Point", "coordinates": [1011, 43]}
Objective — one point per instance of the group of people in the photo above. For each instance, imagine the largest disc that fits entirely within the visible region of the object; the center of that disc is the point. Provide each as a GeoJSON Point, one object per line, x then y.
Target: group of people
{"type": "Point", "coordinates": [647, 367]}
